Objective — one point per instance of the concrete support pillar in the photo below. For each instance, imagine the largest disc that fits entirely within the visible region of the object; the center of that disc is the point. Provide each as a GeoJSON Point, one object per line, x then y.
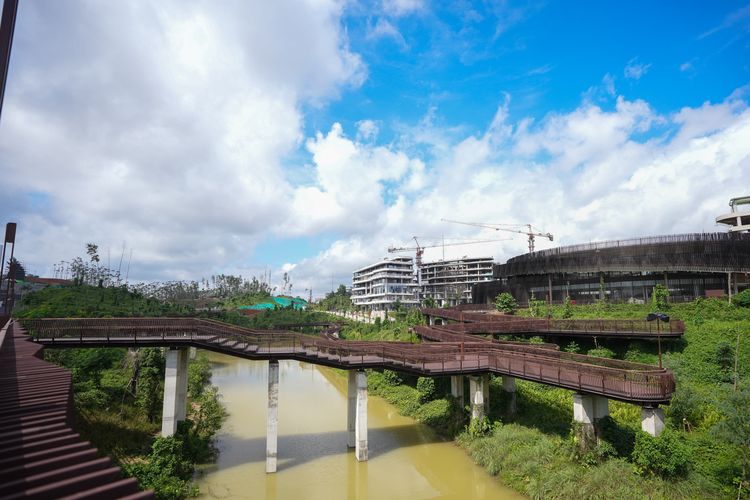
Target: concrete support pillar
{"type": "Point", "coordinates": [587, 410]}
{"type": "Point", "coordinates": [652, 420]}
{"type": "Point", "coordinates": [351, 410]}
{"type": "Point", "coordinates": [476, 393]}
{"type": "Point", "coordinates": [272, 421]}
{"type": "Point", "coordinates": [360, 449]}
{"type": "Point", "coordinates": [457, 388]}
{"type": "Point", "coordinates": [509, 386]}
{"type": "Point", "coordinates": [175, 391]}
{"type": "Point", "coordinates": [486, 392]}
{"type": "Point", "coordinates": [431, 320]}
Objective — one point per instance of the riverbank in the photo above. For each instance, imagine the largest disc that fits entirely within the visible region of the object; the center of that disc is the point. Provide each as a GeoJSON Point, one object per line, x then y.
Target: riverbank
{"type": "Point", "coordinates": [535, 452]}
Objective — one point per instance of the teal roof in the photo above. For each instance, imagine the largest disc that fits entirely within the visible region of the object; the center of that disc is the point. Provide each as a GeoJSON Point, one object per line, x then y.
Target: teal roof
{"type": "Point", "coordinates": [297, 303]}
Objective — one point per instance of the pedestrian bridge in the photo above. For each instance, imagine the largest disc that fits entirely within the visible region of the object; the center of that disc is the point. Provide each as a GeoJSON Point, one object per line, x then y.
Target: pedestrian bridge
{"type": "Point", "coordinates": [594, 380]}
{"type": "Point", "coordinates": [484, 319]}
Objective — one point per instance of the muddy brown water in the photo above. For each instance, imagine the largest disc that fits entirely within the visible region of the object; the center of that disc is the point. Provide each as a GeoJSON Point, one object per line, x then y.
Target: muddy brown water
{"type": "Point", "coordinates": [407, 460]}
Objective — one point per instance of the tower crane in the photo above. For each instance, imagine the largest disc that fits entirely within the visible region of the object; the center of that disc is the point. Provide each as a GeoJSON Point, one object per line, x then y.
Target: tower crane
{"type": "Point", "coordinates": [531, 231]}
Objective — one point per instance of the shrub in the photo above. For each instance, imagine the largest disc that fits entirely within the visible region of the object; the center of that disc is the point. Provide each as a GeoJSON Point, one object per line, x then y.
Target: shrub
{"type": "Point", "coordinates": [391, 378]}
{"type": "Point", "coordinates": [505, 302]}
{"type": "Point", "coordinates": [426, 388]}
{"type": "Point", "coordinates": [572, 347]}
{"type": "Point", "coordinates": [479, 427]}
{"type": "Point", "coordinates": [567, 311]}
{"type": "Point", "coordinates": [601, 352]}
{"type": "Point", "coordinates": [742, 299]}
{"type": "Point", "coordinates": [536, 307]}
{"type": "Point", "coordinates": [660, 298]}
{"type": "Point", "coordinates": [665, 455]}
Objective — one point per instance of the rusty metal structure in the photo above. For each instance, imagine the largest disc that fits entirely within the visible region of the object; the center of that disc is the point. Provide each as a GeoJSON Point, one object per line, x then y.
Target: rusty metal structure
{"type": "Point", "coordinates": [620, 380]}
{"type": "Point", "coordinates": [689, 265]}
{"type": "Point", "coordinates": [41, 456]}
{"type": "Point", "coordinates": [481, 319]}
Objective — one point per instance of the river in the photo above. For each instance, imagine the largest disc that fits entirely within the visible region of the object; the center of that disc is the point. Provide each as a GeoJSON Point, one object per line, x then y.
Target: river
{"type": "Point", "coordinates": [407, 460]}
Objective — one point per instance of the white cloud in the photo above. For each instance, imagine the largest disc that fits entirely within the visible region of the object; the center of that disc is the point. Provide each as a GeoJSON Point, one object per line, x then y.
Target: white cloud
{"type": "Point", "coordinates": [398, 8]}
{"type": "Point", "coordinates": [164, 125]}
{"type": "Point", "coordinates": [598, 179]}
{"type": "Point", "coordinates": [635, 70]}
{"type": "Point", "coordinates": [384, 29]}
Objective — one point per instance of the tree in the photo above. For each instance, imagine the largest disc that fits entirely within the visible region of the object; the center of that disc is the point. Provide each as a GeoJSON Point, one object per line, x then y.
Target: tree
{"type": "Point", "coordinates": [15, 270]}
{"type": "Point", "coordinates": [505, 302]}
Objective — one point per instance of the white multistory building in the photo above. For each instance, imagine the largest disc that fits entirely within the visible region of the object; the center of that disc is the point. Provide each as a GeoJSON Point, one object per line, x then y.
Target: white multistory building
{"type": "Point", "coordinates": [383, 285]}
{"type": "Point", "coordinates": [448, 282]}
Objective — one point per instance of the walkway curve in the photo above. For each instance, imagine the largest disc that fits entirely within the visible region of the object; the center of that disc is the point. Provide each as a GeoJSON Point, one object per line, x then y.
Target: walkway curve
{"type": "Point", "coordinates": [635, 383]}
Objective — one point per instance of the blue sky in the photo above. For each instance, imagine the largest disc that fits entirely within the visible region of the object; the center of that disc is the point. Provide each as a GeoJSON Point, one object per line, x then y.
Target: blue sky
{"type": "Point", "coordinates": [308, 136]}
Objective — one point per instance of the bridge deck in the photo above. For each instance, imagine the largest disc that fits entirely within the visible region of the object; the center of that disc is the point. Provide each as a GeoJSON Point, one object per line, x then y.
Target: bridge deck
{"type": "Point", "coordinates": [630, 382]}
{"type": "Point", "coordinates": [41, 456]}
{"type": "Point", "coordinates": [490, 322]}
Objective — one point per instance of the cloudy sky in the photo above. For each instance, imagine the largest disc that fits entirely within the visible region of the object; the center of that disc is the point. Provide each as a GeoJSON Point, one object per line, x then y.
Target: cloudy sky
{"type": "Point", "coordinates": [308, 136]}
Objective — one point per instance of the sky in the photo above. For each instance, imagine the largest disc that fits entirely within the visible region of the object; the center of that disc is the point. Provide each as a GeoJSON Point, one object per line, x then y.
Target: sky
{"type": "Point", "coordinates": [308, 136]}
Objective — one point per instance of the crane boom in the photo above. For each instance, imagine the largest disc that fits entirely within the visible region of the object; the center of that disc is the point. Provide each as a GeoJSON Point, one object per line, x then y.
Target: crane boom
{"type": "Point", "coordinates": [531, 233]}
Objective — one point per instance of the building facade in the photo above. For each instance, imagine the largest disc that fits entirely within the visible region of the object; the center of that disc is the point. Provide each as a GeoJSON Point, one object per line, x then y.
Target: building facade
{"type": "Point", "coordinates": [689, 265]}
{"type": "Point", "coordinates": [738, 219]}
{"type": "Point", "coordinates": [385, 284]}
{"type": "Point", "coordinates": [449, 282]}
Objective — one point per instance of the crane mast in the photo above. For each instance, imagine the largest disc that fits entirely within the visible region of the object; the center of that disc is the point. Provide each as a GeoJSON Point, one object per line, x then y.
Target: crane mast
{"type": "Point", "coordinates": [531, 234]}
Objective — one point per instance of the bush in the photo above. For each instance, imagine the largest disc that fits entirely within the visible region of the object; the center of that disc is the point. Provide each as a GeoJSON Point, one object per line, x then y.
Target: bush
{"type": "Point", "coordinates": [567, 311]}
{"type": "Point", "coordinates": [660, 298]}
{"type": "Point", "coordinates": [572, 347]}
{"type": "Point", "coordinates": [479, 427]}
{"type": "Point", "coordinates": [426, 388]}
{"type": "Point", "coordinates": [505, 302]}
{"type": "Point", "coordinates": [391, 378]}
{"type": "Point", "coordinates": [742, 299]}
{"type": "Point", "coordinates": [536, 308]}
{"type": "Point", "coordinates": [665, 455]}
{"type": "Point", "coordinates": [601, 352]}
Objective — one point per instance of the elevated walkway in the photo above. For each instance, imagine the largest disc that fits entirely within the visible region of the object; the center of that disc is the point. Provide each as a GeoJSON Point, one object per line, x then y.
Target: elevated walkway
{"type": "Point", "coordinates": [41, 455]}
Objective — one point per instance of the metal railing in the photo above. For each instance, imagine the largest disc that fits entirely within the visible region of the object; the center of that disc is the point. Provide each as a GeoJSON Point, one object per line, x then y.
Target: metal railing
{"type": "Point", "coordinates": [631, 382]}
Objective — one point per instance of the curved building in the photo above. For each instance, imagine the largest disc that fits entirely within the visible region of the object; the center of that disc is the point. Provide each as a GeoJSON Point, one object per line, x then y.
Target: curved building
{"type": "Point", "coordinates": [738, 219]}
{"type": "Point", "coordinates": [690, 265]}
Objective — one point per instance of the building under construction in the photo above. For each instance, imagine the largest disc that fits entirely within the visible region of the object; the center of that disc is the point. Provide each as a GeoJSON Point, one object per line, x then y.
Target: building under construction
{"type": "Point", "coordinates": [689, 265]}
{"type": "Point", "coordinates": [449, 282]}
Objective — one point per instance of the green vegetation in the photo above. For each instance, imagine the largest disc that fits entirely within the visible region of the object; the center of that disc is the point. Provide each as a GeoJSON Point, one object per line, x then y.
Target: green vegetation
{"type": "Point", "coordinates": [703, 453]}
{"type": "Point", "coordinates": [86, 301]}
{"type": "Point", "coordinates": [118, 392]}
{"type": "Point", "coordinates": [505, 303]}
{"type": "Point", "coordinates": [336, 301]}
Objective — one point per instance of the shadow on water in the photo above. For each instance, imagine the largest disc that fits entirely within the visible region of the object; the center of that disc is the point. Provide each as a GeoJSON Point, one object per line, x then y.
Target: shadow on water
{"type": "Point", "coordinates": [299, 449]}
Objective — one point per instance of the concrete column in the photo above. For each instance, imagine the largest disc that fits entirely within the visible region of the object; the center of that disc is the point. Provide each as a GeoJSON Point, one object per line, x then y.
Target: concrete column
{"type": "Point", "coordinates": [431, 320]}
{"type": "Point", "coordinates": [652, 420]}
{"type": "Point", "coordinates": [351, 410]}
{"type": "Point", "coordinates": [583, 415]}
{"type": "Point", "coordinates": [272, 422]}
{"type": "Point", "coordinates": [457, 388]}
{"type": "Point", "coordinates": [486, 392]}
{"type": "Point", "coordinates": [476, 393]}
{"type": "Point", "coordinates": [509, 386]}
{"type": "Point", "coordinates": [175, 391]}
{"type": "Point", "coordinates": [360, 449]}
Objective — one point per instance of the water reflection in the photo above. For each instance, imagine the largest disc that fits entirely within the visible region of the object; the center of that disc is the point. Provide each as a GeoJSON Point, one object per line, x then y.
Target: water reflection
{"type": "Point", "coordinates": [407, 460]}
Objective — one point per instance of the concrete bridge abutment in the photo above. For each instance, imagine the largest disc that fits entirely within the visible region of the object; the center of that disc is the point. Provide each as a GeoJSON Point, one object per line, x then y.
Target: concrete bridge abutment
{"type": "Point", "coordinates": [174, 407]}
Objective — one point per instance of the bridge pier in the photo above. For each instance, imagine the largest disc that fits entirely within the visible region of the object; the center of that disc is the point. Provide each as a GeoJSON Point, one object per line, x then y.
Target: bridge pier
{"type": "Point", "coordinates": [476, 393]}
{"type": "Point", "coordinates": [351, 410]}
{"type": "Point", "coordinates": [652, 420]}
{"type": "Point", "coordinates": [174, 408]}
{"type": "Point", "coordinates": [457, 388]}
{"type": "Point", "coordinates": [272, 422]}
{"type": "Point", "coordinates": [431, 320]}
{"type": "Point", "coordinates": [486, 392]}
{"type": "Point", "coordinates": [587, 410]}
{"type": "Point", "coordinates": [509, 387]}
{"type": "Point", "coordinates": [360, 431]}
